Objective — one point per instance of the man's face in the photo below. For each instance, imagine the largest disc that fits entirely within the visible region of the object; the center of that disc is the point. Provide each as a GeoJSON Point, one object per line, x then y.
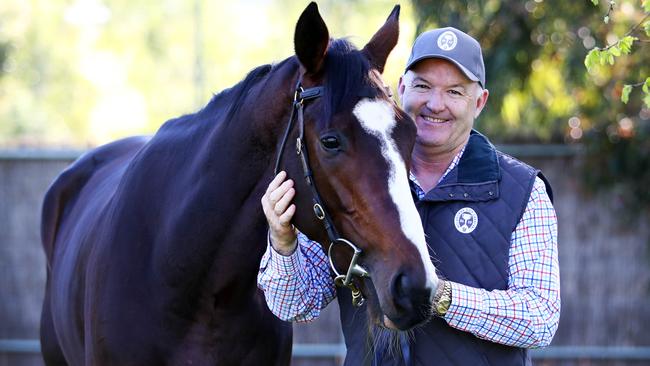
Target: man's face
{"type": "Point", "coordinates": [442, 101]}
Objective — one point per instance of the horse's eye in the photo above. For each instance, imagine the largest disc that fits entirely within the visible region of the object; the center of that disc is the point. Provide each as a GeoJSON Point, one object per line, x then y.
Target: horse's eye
{"type": "Point", "coordinates": [330, 142]}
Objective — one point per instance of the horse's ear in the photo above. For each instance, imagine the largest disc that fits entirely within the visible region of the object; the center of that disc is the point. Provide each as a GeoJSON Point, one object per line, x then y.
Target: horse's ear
{"type": "Point", "coordinates": [383, 41]}
{"type": "Point", "coordinates": [311, 39]}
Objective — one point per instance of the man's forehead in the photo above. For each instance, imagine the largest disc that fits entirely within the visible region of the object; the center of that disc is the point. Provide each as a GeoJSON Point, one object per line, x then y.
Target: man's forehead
{"type": "Point", "coordinates": [433, 78]}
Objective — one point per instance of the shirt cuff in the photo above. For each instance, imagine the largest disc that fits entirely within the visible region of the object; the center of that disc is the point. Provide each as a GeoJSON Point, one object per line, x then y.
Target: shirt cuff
{"type": "Point", "coordinates": [285, 265]}
{"type": "Point", "coordinates": [467, 307]}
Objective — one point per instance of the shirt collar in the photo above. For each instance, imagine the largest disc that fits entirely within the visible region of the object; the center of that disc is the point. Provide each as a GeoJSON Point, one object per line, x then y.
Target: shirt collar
{"type": "Point", "coordinates": [454, 162]}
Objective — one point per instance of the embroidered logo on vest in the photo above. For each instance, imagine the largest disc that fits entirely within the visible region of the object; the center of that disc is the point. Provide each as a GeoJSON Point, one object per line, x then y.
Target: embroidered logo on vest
{"type": "Point", "coordinates": [466, 220]}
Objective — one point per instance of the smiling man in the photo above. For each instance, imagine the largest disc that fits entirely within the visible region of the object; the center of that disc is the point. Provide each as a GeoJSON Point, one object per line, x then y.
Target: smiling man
{"type": "Point", "coordinates": [490, 226]}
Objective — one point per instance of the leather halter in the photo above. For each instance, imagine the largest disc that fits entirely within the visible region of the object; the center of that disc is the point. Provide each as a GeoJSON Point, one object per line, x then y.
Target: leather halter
{"type": "Point", "coordinates": [300, 97]}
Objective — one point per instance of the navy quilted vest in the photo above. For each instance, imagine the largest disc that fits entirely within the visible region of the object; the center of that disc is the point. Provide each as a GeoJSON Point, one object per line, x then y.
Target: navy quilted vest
{"type": "Point", "coordinates": [497, 188]}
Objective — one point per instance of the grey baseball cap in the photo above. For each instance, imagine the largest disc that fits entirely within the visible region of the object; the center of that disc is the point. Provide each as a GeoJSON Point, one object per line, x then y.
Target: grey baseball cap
{"type": "Point", "coordinates": [453, 45]}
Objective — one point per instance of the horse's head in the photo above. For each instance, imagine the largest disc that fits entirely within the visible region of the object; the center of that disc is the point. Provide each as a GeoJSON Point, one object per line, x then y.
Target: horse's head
{"type": "Point", "coordinates": [358, 144]}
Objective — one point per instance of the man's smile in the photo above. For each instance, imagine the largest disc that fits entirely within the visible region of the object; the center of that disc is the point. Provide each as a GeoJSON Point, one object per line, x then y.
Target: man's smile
{"type": "Point", "coordinates": [434, 119]}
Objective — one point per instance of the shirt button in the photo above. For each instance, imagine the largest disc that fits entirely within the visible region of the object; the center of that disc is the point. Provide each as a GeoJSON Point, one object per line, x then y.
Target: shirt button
{"type": "Point", "coordinates": [465, 195]}
{"type": "Point", "coordinates": [490, 193]}
{"type": "Point", "coordinates": [451, 194]}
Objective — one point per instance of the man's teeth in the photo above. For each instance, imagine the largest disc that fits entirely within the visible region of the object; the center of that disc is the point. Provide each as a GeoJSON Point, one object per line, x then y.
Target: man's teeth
{"type": "Point", "coordinates": [434, 120]}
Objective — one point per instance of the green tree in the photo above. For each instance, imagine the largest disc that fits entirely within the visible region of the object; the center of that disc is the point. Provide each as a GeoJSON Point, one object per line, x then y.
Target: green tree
{"type": "Point", "coordinates": [618, 149]}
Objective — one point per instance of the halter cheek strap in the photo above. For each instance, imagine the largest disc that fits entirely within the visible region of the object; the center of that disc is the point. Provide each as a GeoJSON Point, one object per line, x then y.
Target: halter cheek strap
{"type": "Point", "coordinates": [300, 97]}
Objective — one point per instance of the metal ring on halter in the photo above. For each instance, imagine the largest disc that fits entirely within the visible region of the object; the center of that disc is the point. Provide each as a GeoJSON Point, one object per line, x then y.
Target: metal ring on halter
{"type": "Point", "coordinates": [319, 212]}
{"type": "Point", "coordinates": [354, 269]}
{"type": "Point", "coordinates": [299, 92]}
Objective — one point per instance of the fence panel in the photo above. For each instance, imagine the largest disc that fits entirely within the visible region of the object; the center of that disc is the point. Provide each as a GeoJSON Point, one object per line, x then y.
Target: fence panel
{"type": "Point", "coordinates": [604, 261]}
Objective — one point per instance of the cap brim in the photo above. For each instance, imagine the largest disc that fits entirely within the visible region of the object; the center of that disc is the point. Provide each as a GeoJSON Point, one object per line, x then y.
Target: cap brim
{"type": "Point", "coordinates": [462, 68]}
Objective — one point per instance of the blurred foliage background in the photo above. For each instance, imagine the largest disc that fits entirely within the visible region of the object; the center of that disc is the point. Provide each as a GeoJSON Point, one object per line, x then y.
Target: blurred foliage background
{"type": "Point", "coordinates": [83, 72]}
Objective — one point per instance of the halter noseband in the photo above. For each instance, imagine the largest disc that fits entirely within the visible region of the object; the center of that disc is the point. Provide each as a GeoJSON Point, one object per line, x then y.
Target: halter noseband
{"type": "Point", "coordinates": [300, 97]}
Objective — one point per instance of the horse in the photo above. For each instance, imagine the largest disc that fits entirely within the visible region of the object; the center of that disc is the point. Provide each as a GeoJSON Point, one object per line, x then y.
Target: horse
{"type": "Point", "coordinates": [153, 244]}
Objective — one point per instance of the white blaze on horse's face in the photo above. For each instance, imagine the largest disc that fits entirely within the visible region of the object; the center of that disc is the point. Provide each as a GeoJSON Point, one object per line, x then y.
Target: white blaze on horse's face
{"type": "Point", "coordinates": [378, 119]}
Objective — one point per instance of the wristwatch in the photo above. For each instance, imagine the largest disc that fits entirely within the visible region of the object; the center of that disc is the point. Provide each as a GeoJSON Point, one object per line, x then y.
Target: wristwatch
{"type": "Point", "coordinates": [442, 299]}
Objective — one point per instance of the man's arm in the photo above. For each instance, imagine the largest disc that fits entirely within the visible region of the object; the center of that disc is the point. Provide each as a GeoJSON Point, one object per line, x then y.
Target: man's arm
{"type": "Point", "coordinates": [527, 314]}
{"type": "Point", "coordinates": [294, 271]}
{"type": "Point", "coordinates": [299, 286]}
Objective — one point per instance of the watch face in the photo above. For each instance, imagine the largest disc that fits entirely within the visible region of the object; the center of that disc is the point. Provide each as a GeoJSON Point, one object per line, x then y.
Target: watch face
{"type": "Point", "coordinates": [444, 301]}
{"type": "Point", "coordinates": [443, 304]}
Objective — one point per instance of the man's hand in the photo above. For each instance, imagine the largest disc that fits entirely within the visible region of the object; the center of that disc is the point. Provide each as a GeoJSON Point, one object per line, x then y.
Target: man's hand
{"type": "Point", "coordinates": [279, 211]}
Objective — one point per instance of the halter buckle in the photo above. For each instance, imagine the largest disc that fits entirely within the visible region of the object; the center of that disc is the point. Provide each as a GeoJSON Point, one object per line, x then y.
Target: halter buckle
{"type": "Point", "coordinates": [298, 94]}
{"type": "Point", "coordinates": [319, 212]}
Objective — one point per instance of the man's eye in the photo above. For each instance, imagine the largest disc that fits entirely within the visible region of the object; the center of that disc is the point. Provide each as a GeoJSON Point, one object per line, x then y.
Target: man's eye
{"type": "Point", "coordinates": [455, 92]}
{"type": "Point", "coordinates": [421, 86]}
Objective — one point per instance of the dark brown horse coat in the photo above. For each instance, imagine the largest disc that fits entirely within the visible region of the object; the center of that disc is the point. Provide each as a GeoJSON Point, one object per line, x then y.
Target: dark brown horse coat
{"type": "Point", "coordinates": [153, 244]}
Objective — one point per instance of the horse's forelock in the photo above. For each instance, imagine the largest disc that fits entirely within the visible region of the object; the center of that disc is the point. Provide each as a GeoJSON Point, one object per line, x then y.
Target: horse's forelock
{"type": "Point", "coordinates": [346, 77]}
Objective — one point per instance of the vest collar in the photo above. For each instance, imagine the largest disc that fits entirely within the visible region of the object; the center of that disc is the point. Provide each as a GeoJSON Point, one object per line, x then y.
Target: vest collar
{"type": "Point", "coordinates": [475, 178]}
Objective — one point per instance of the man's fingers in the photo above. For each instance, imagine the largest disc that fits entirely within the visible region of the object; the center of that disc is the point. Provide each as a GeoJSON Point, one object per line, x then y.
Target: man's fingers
{"type": "Point", "coordinates": [270, 198]}
{"type": "Point", "coordinates": [276, 202]}
{"type": "Point", "coordinates": [284, 201]}
{"type": "Point", "coordinates": [275, 183]}
{"type": "Point", "coordinates": [276, 195]}
{"type": "Point", "coordinates": [285, 218]}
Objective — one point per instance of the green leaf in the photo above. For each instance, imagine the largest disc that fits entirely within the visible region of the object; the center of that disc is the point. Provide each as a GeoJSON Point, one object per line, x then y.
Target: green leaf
{"type": "Point", "coordinates": [615, 51]}
{"type": "Point", "coordinates": [592, 58]}
{"type": "Point", "coordinates": [645, 4]}
{"type": "Point", "coordinates": [625, 44]}
{"type": "Point", "coordinates": [646, 26]}
{"type": "Point", "coordinates": [625, 93]}
{"type": "Point", "coordinates": [610, 58]}
{"type": "Point", "coordinates": [603, 56]}
{"type": "Point", "coordinates": [646, 86]}
{"type": "Point", "coordinates": [606, 19]}
{"type": "Point", "coordinates": [595, 2]}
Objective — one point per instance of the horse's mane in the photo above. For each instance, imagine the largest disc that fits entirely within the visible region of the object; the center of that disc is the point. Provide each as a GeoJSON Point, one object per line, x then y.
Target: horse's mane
{"type": "Point", "coordinates": [233, 97]}
{"type": "Point", "coordinates": [346, 69]}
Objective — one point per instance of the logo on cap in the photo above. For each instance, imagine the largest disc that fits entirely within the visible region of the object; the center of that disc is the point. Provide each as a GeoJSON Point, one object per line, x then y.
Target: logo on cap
{"type": "Point", "coordinates": [466, 220]}
{"type": "Point", "coordinates": [447, 41]}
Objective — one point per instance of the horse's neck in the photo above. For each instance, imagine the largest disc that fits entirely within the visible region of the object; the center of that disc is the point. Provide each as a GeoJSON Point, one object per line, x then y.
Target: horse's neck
{"type": "Point", "coordinates": [247, 142]}
{"type": "Point", "coordinates": [227, 179]}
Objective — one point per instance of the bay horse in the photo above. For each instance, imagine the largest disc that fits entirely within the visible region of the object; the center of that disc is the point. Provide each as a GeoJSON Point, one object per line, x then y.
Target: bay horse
{"type": "Point", "coordinates": [153, 244]}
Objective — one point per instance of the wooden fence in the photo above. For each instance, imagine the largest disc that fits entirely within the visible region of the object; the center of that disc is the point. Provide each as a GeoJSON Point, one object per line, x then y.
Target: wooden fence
{"type": "Point", "coordinates": [605, 264]}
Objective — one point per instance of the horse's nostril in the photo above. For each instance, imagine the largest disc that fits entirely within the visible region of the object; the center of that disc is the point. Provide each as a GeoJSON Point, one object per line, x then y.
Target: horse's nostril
{"type": "Point", "coordinates": [411, 299]}
{"type": "Point", "coordinates": [402, 289]}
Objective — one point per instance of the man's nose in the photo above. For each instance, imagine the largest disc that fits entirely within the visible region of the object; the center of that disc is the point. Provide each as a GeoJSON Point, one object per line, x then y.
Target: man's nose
{"type": "Point", "coordinates": [435, 102]}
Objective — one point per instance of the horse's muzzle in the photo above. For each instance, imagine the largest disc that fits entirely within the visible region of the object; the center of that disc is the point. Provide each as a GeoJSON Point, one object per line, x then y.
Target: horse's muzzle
{"type": "Point", "coordinates": [412, 302]}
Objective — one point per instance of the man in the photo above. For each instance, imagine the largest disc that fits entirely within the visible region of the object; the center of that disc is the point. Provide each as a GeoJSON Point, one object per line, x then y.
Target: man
{"type": "Point", "coordinates": [488, 219]}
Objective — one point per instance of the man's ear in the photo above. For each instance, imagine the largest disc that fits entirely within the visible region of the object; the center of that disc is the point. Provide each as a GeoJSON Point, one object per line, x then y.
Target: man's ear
{"type": "Point", "coordinates": [400, 87]}
{"type": "Point", "coordinates": [481, 101]}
